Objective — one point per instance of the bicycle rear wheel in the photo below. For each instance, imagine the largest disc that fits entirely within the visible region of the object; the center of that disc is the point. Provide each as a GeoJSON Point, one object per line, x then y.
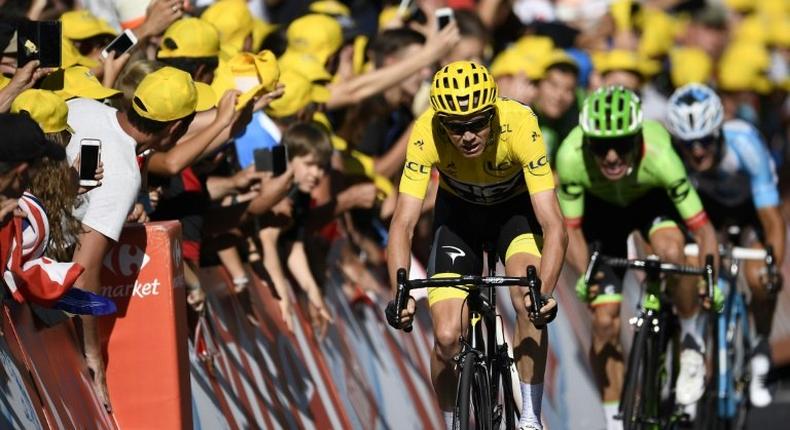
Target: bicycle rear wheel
{"type": "Point", "coordinates": [473, 399]}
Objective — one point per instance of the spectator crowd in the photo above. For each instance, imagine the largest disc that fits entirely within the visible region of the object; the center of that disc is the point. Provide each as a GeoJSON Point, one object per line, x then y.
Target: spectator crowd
{"type": "Point", "coordinates": [183, 115]}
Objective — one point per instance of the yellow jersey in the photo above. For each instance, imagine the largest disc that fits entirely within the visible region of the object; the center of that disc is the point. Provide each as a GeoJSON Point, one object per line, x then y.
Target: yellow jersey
{"type": "Point", "coordinates": [513, 161]}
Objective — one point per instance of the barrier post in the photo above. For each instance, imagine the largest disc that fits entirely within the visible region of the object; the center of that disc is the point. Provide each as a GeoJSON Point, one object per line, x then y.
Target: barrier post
{"type": "Point", "coordinates": [145, 343]}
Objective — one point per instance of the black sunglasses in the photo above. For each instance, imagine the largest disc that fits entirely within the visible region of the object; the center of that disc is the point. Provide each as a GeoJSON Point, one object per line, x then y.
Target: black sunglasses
{"type": "Point", "coordinates": [705, 142]}
{"type": "Point", "coordinates": [621, 145]}
{"type": "Point", "coordinates": [474, 125]}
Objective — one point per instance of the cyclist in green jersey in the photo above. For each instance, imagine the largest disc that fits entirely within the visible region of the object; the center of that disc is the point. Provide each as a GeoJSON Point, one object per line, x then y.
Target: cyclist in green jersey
{"type": "Point", "coordinates": [618, 174]}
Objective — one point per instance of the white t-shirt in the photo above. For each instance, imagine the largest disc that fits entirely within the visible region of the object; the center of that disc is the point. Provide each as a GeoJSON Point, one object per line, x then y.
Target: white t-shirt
{"type": "Point", "coordinates": [105, 208]}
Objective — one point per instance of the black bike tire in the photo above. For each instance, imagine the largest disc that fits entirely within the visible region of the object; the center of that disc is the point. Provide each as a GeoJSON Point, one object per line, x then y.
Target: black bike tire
{"type": "Point", "coordinates": [473, 393]}
{"type": "Point", "coordinates": [745, 343]}
{"type": "Point", "coordinates": [509, 410]}
{"type": "Point", "coordinates": [633, 380]}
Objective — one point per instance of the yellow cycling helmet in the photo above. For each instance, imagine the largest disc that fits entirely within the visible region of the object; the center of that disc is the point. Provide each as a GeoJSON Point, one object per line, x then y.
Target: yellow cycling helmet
{"type": "Point", "coordinates": [462, 88]}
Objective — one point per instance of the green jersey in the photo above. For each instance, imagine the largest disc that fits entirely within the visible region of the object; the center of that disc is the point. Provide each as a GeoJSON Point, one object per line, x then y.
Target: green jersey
{"type": "Point", "coordinates": [659, 167]}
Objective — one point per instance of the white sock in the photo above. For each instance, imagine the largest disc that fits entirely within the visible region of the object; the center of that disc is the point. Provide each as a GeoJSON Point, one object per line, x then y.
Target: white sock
{"type": "Point", "coordinates": [531, 398]}
{"type": "Point", "coordinates": [448, 420]}
{"type": "Point", "coordinates": [610, 409]}
{"type": "Point", "coordinates": [689, 326]}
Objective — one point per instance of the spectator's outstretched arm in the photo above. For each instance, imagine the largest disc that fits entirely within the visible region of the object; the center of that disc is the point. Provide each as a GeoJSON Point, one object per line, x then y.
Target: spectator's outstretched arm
{"type": "Point", "coordinates": [159, 15]}
{"type": "Point", "coordinates": [299, 267]}
{"type": "Point", "coordinates": [362, 195]}
{"type": "Point", "coordinates": [24, 78]}
{"type": "Point", "coordinates": [353, 91]}
{"type": "Point", "coordinates": [187, 151]}
{"type": "Point", "coordinates": [391, 163]}
{"type": "Point", "coordinates": [273, 266]}
{"type": "Point", "coordinates": [273, 190]}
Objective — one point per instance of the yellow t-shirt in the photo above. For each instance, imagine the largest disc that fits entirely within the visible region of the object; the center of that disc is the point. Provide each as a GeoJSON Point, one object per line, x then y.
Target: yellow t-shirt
{"type": "Point", "coordinates": [514, 160]}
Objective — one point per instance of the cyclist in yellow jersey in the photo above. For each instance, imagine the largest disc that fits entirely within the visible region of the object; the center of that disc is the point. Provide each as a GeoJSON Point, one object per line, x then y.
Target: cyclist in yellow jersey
{"type": "Point", "coordinates": [496, 187]}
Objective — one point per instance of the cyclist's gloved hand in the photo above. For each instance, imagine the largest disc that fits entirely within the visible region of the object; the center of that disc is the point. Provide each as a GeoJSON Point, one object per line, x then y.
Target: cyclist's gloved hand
{"type": "Point", "coordinates": [581, 289]}
{"type": "Point", "coordinates": [406, 317]}
{"type": "Point", "coordinates": [551, 313]}
{"type": "Point", "coordinates": [718, 298]}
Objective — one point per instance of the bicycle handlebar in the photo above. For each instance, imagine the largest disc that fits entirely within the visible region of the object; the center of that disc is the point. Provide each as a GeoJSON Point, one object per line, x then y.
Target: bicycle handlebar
{"type": "Point", "coordinates": [739, 253]}
{"type": "Point", "coordinates": [405, 285]}
{"type": "Point", "coordinates": [652, 267]}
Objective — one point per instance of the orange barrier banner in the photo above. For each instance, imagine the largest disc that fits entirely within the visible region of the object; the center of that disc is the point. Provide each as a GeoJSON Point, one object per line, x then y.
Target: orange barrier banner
{"type": "Point", "coordinates": [145, 343]}
{"type": "Point", "coordinates": [49, 355]}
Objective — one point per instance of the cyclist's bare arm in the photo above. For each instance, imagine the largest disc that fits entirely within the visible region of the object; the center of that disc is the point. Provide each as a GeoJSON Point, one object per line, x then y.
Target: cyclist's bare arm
{"type": "Point", "coordinates": [705, 236]}
{"type": "Point", "coordinates": [578, 252]}
{"type": "Point", "coordinates": [407, 213]}
{"type": "Point", "coordinates": [774, 227]}
{"type": "Point", "coordinates": [555, 238]}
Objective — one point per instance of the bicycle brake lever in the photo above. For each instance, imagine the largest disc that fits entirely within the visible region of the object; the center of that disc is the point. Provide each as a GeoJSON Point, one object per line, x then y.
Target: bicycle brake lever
{"type": "Point", "coordinates": [534, 294]}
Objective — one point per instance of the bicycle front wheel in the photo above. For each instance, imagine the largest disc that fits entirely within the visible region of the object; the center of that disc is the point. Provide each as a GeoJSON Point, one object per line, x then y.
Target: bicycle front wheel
{"type": "Point", "coordinates": [473, 400]}
{"type": "Point", "coordinates": [633, 395]}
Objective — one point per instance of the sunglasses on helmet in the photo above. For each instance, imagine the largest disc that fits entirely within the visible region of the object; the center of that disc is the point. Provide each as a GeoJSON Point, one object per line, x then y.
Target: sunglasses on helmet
{"type": "Point", "coordinates": [473, 125]}
{"type": "Point", "coordinates": [621, 145]}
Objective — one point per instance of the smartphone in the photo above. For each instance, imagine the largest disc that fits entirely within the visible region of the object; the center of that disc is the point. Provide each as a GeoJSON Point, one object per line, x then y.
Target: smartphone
{"type": "Point", "coordinates": [39, 40]}
{"type": "Point", "coordinates": [90, 154]}
{"type": "Point", "coordinates": [443, 16]}
{"type": "Point", "coordinates": [121, 44]}
{"type": "Point", "coordinates": [274, 159]}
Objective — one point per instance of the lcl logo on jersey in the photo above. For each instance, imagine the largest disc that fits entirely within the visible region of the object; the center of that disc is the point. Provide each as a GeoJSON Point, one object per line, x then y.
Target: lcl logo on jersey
{"type": "Point", "coordinates": [538, 167]}
{"type": "Point", "coordinates": [126, 260]}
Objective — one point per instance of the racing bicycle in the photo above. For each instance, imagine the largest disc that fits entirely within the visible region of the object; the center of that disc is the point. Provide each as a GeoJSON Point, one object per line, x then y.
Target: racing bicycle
{"type": "Point", "coordinates": [484, 399]}
{"type": "Point", "coordinates": [646, 371]}
{"type": "Point", "coordinates": [726, 406]}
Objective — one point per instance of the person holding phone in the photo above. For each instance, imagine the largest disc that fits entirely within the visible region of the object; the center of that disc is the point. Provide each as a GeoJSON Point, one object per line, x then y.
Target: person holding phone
{"type": "Point", "coordinates": [162, 107]}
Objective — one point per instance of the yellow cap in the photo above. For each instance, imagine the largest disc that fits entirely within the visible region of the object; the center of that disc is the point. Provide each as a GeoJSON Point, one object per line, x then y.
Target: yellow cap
{"type": "Point", "coordinates": [780, 32]}
{"type": "Point", "coordinates": [619, 59]}
{"type": "Point", "coordinates": [81, 24]}
{"type": "Point", "coordinates": [387, 17]}
{"type": "Point", "coordinates": [316, 35]}
{"type": "Point", "coordinates": [658, 33]}
{"type": "Point", "coordinates": [330, 7]}
{"type": "Point", "coordinates": [743, 67]}
{"type": "Point", "coordinates": [338, 143]}
{"type": "Point", "coordinates": [260, 30]}
{"type": "Point", "coordinates": [743, 6]}
{"type": "Point", "coordinates": [305, 65]}
{"type": "Point", "coordinates": [169, 94]}
{"type": "Point", "coordinates": [534, 46]}
{"type": "Point", "coordinates": [189, 38]}
{"type": "Point", "coordinates": [689, 65]}
{"type": "Point", "coordinates": [558, 56]}
{"type": "Point", "coordinates": [299, 92]}
{"type": "Point", "coordinates": [77, 81]}
{"type": "Point", "coordinates": [248, 73]}
{"type": "Point", "coordinates": [621, 14]}
{"type": "Point", "coordinates": [752, 29]}
{"type": "Point", "coordinates": [45, 107]}
{"type": "Point", "coordinates": [70, 56]}
{"type": "Point", "coordinates": [512, 62]}
{"type": "Point", "coordinates": [232, 19]}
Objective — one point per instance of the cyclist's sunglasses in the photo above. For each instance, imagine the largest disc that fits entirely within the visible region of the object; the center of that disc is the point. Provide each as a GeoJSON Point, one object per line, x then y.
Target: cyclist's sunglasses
{"type": "Point", "coordinates": [705, 142]}
{"type": "Point", "coordinates": [474, 125]}
{"type": "Point", "coordinates": [621, 145]}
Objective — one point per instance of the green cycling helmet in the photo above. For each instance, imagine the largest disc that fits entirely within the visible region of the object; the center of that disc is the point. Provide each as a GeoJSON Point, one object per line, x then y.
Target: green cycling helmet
{"type": "Point", "coordinates": [611, 112]}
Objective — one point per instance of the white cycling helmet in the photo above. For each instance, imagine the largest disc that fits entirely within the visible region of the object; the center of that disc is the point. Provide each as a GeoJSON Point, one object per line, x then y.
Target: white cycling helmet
{"type": "Point", "coordinates": [695, 111]}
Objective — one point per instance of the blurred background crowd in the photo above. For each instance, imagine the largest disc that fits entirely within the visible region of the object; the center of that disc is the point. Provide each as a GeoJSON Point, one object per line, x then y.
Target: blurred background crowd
{"type": "Point", "coordinates": [338, 83]}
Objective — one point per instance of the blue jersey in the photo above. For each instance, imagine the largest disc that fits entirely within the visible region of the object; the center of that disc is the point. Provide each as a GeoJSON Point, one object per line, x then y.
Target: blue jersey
{"type": "Point", "coordinates": [746, 170]}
